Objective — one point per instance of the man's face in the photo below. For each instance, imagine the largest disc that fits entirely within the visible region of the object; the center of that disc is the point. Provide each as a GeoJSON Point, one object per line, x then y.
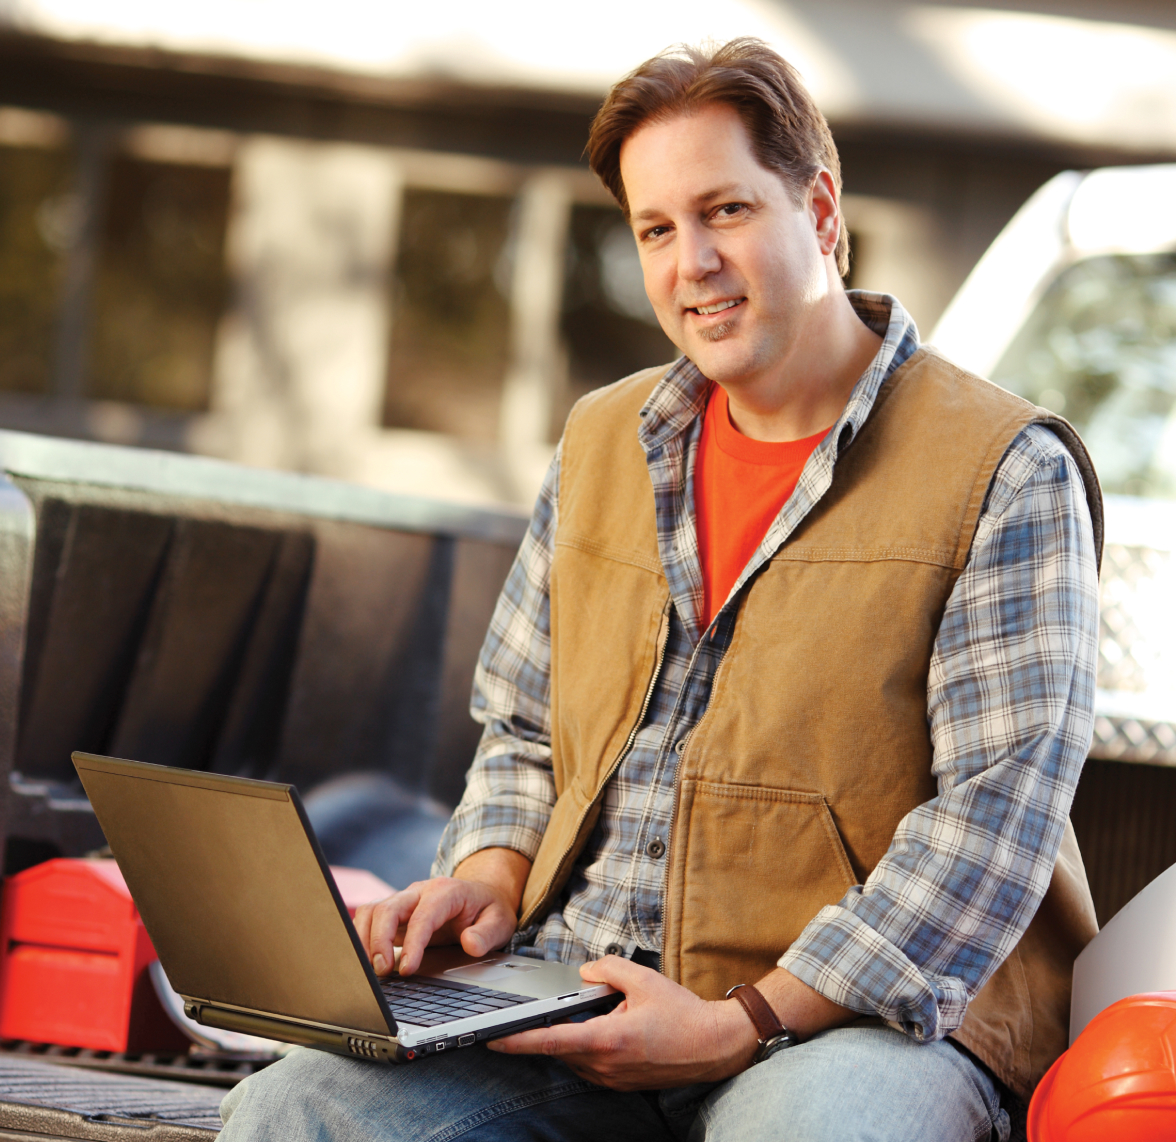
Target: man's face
{"type": "Point", "coordinates": [732, 266]}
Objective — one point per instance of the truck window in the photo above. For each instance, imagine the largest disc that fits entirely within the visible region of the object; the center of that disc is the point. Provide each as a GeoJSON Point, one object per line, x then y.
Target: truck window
{"type": "Point", "coordinates": [1100, 349]}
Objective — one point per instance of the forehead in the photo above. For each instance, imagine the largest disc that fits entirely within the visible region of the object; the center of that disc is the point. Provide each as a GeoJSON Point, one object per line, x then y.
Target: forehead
{"type": "Point", "coordinates": [686, 156]}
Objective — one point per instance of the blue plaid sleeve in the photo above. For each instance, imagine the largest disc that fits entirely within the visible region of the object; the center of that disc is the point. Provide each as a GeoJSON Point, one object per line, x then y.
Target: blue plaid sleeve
{"type": "Point", "coordinates": [1010, 706]}
{"type": "Point", "coordinates": [510, 789]}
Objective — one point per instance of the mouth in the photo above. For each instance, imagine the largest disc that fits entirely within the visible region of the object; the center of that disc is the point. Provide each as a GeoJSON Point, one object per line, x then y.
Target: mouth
{"type": "Point", "coordinates": [716, 307]}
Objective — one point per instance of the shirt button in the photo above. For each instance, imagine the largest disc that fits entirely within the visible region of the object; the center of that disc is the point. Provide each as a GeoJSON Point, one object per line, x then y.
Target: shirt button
{"type": "Point", "coordinates": [614, 950]}
{"type": "Point", "coordinates": [679, 747]}
{"type": "Point", "coordinates": [656, 848]}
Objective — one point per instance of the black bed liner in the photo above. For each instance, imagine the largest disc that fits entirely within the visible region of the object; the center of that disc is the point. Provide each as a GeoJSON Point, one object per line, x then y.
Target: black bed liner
{"type": "Point", "coordinates": [42, 1100]}
{"type": "Point", "coordinates": [216, 1068]}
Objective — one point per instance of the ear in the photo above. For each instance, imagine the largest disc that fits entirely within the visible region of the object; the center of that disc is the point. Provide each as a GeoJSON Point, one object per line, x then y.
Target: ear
{"type": "Point", "coordinates": [825, 210]}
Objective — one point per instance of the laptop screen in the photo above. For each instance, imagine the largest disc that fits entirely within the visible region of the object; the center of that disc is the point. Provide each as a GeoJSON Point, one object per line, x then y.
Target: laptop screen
{"type": "Point", "coordinates": [233, 891]}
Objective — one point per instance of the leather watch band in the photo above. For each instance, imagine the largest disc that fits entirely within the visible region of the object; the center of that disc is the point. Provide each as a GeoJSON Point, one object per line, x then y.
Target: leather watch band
{"type": "Point", "coordinates": [759, 1011]}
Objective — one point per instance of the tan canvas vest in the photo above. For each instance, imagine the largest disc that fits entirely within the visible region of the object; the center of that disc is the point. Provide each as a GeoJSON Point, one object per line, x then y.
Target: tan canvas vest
{"type": "Point", "coordinates": [815, 742]}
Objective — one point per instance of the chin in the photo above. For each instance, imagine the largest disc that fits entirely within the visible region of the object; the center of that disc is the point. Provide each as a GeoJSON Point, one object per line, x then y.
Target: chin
{"type": "Point", "coordinates": [721, 362]}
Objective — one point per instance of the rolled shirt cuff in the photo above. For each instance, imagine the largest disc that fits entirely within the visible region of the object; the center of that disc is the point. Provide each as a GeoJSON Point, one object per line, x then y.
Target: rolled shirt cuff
{"type": "Point", "coordinates": [847, 961]}
{"type": "Point", "coordinates": [469, 837]}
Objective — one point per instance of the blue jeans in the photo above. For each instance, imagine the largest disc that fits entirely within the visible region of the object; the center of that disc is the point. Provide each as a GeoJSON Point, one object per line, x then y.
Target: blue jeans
{"type": "Point", "coordinates": [865, 1083]}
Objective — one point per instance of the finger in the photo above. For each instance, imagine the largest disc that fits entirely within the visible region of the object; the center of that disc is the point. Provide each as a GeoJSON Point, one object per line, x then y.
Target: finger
{"type": "Point", "coordinates": [585, 1068]}
{"type": "Point", "coordinates": [387, 916]}
{"type": "Point", "coordinates": [588, 1067]}
{"type": "Point", "coordinates": [434, 911]}
{"type": "Point", "coordinates": [562, 1039]}
{"type": "Point", "coordinates": [489, 932]}
{"type": "Point", "coordinates": [363, 923]}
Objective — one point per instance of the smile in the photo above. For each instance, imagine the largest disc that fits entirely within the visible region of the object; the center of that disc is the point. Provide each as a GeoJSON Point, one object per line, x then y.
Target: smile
{"type": "Point", "coordinates": [719, 306]}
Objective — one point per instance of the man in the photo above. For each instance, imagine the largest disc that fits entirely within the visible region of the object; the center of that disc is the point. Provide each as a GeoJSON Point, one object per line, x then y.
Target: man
{"type": "Point", "coordinates": [789, 687]}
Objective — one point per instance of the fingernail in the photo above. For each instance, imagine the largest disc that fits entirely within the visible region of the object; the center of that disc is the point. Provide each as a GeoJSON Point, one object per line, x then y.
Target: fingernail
{"type": "Point", "coordinates": [380, 964]}
{"type": "Point", "coordinates": [493, 1046]}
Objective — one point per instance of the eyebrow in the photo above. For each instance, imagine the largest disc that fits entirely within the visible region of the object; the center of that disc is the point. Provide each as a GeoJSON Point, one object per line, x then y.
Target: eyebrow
{"type": "Point", "coordinates": [732, 190]}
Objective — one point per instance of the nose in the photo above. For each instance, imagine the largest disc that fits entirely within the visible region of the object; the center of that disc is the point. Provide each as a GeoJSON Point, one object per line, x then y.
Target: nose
{"type": "Point", "coordinates": [698, 256]}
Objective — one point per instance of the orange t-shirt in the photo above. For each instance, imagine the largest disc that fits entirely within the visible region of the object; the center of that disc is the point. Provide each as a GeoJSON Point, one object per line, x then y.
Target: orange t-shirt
{"type": "Point", "coordinates": [740, 485]}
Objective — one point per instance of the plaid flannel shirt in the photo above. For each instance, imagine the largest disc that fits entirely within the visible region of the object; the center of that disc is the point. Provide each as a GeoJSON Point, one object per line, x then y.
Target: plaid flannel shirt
{"type": "Point", "coordinates": [1009, 706]}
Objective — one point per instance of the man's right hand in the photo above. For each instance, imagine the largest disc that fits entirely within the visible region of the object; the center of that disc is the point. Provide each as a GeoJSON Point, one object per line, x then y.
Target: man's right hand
{"type": "Point", "coordinates": [477, 907]}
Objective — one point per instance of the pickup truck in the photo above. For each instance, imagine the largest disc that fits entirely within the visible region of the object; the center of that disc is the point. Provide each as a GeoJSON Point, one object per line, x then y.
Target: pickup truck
{"type": "Point", "coordinates": [1074, 307]}
{"type": "Point", "coordinates": [194, 613]}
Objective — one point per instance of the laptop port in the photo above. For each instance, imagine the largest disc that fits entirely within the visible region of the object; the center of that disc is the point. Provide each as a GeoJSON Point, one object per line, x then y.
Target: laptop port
{"type": "Point", "coordinates": [440, 1046]}
{"type": "Point", "coordinates": [466, 1040]}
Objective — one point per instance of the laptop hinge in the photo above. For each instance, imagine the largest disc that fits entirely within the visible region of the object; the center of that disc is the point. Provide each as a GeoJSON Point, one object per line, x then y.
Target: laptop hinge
{"type": "Point", "coordinates": [342, 1042]}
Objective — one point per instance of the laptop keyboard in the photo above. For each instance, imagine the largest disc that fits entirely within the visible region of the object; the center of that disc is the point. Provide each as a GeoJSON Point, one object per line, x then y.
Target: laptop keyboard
{"type": "Point", "coordinates": [427, 1002]}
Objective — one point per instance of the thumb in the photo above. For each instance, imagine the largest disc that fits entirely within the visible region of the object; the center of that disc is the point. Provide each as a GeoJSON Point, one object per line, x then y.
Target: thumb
{"type": "Point", "coordinates": [618, 972]}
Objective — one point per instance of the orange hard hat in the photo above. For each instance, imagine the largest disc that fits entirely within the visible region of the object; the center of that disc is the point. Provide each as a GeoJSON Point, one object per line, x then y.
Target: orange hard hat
{"type": "Point", "coordinates": [1117, 1082]}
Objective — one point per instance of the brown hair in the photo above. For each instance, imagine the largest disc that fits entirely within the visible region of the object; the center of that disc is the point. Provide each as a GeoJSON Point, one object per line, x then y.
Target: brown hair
{"type": "Point", "coordinates": [788, 134]}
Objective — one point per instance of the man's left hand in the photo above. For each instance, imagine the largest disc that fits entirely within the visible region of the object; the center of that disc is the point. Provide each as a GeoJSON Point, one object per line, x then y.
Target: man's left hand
{"type": "Point", "coordinates": [660, 1035]}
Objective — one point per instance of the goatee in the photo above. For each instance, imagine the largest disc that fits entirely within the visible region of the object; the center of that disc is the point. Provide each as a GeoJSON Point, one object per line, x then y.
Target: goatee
{"type": "Point", "coordinates": [716, 332]}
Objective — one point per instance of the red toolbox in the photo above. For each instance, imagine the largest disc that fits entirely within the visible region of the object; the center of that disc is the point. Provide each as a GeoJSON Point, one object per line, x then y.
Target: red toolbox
{"type": "Point", "coordinates": [74, 957]}
{"type": "Point", "coordinates": [73, 962]}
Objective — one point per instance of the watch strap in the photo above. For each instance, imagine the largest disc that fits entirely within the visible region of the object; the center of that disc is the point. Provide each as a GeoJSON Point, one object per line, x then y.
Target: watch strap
{"type": "Point", "coordinates": [759, 1011]}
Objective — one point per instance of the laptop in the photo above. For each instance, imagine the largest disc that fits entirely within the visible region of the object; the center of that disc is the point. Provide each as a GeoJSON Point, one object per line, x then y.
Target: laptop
{"type": "Point", "coordinates": [237, 898]}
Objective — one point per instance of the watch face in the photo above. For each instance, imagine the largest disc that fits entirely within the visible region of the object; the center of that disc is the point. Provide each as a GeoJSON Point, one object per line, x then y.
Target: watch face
{"type": "Point", "coordinates": [774, 1044]}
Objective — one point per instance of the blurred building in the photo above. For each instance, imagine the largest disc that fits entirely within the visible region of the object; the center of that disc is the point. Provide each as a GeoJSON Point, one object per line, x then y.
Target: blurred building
{"type": "Point", "coordinates": [362, 242]}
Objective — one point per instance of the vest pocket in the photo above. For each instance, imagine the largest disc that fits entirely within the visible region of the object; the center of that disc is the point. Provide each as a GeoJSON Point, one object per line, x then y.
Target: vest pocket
{"type": "Point", "coordinates": [751, 866]}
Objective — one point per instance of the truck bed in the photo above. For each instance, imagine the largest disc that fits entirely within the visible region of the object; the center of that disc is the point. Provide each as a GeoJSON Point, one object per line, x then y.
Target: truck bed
{"type": "Point", "coordinates": [41, 1100]}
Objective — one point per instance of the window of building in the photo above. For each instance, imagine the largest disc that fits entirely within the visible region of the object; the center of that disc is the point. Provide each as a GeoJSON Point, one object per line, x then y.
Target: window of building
{"type": "Point", "coordinates": [608, 325]}
{"type": "Point", "coordinates": [37, 218]}
{"type": "Point", "coordinates": [450, 340]}
{"type": "Point", "coordinates": [160, 283]}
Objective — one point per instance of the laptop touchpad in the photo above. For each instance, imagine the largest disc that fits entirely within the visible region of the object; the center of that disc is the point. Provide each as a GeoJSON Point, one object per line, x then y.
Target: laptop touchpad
{"type": "Point", "coordinates": [484, 972]}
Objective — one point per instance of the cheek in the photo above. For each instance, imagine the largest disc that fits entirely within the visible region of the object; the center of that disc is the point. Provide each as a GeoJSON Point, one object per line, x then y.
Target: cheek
{"type": "Point", "coordinates": [786, 282]}
{"type": "Point", "coordinates": [659, 283]}
{"type": "Point", "coordinates": [661, 297]}
{"type": "Point", "coordinates": [801, 273]}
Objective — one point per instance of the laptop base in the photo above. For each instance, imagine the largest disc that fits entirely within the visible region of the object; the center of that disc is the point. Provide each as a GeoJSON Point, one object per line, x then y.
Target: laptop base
{"type": "Point", "coordinates": [361, 1045]}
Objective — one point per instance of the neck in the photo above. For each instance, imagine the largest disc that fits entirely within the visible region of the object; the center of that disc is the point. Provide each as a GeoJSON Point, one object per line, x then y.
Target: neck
{"type": "Point", "coordinates": [805, 391]}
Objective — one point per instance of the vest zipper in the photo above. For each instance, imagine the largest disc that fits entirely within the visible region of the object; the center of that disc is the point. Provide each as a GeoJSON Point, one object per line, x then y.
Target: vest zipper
{"type": "Point", "coordinates": [657, 669]}
{"type": "Point", "coordinates": [663, 642]}
{"type": "Point", "coordinates": [665, 892]}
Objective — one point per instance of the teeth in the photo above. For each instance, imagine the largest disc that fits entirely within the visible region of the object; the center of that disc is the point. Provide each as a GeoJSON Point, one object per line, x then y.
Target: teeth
{"type": "Point", "coordinates": [718, 308]}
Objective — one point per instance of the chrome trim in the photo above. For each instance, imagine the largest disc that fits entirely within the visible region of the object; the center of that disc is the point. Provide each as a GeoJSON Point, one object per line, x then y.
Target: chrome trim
{"type": "Point", "coordinates": [200, 477]}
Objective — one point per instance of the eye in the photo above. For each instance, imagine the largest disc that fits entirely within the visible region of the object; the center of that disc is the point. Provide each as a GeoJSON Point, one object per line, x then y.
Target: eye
{"type": "Point", "coordinates": [653, 233]}
{"type": "Point", "coordinates": [729, 210]}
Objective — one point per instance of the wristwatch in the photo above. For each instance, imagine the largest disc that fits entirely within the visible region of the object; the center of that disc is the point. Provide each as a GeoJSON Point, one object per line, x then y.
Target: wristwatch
{"type": "Point", "coordinates": [773, 1036]}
